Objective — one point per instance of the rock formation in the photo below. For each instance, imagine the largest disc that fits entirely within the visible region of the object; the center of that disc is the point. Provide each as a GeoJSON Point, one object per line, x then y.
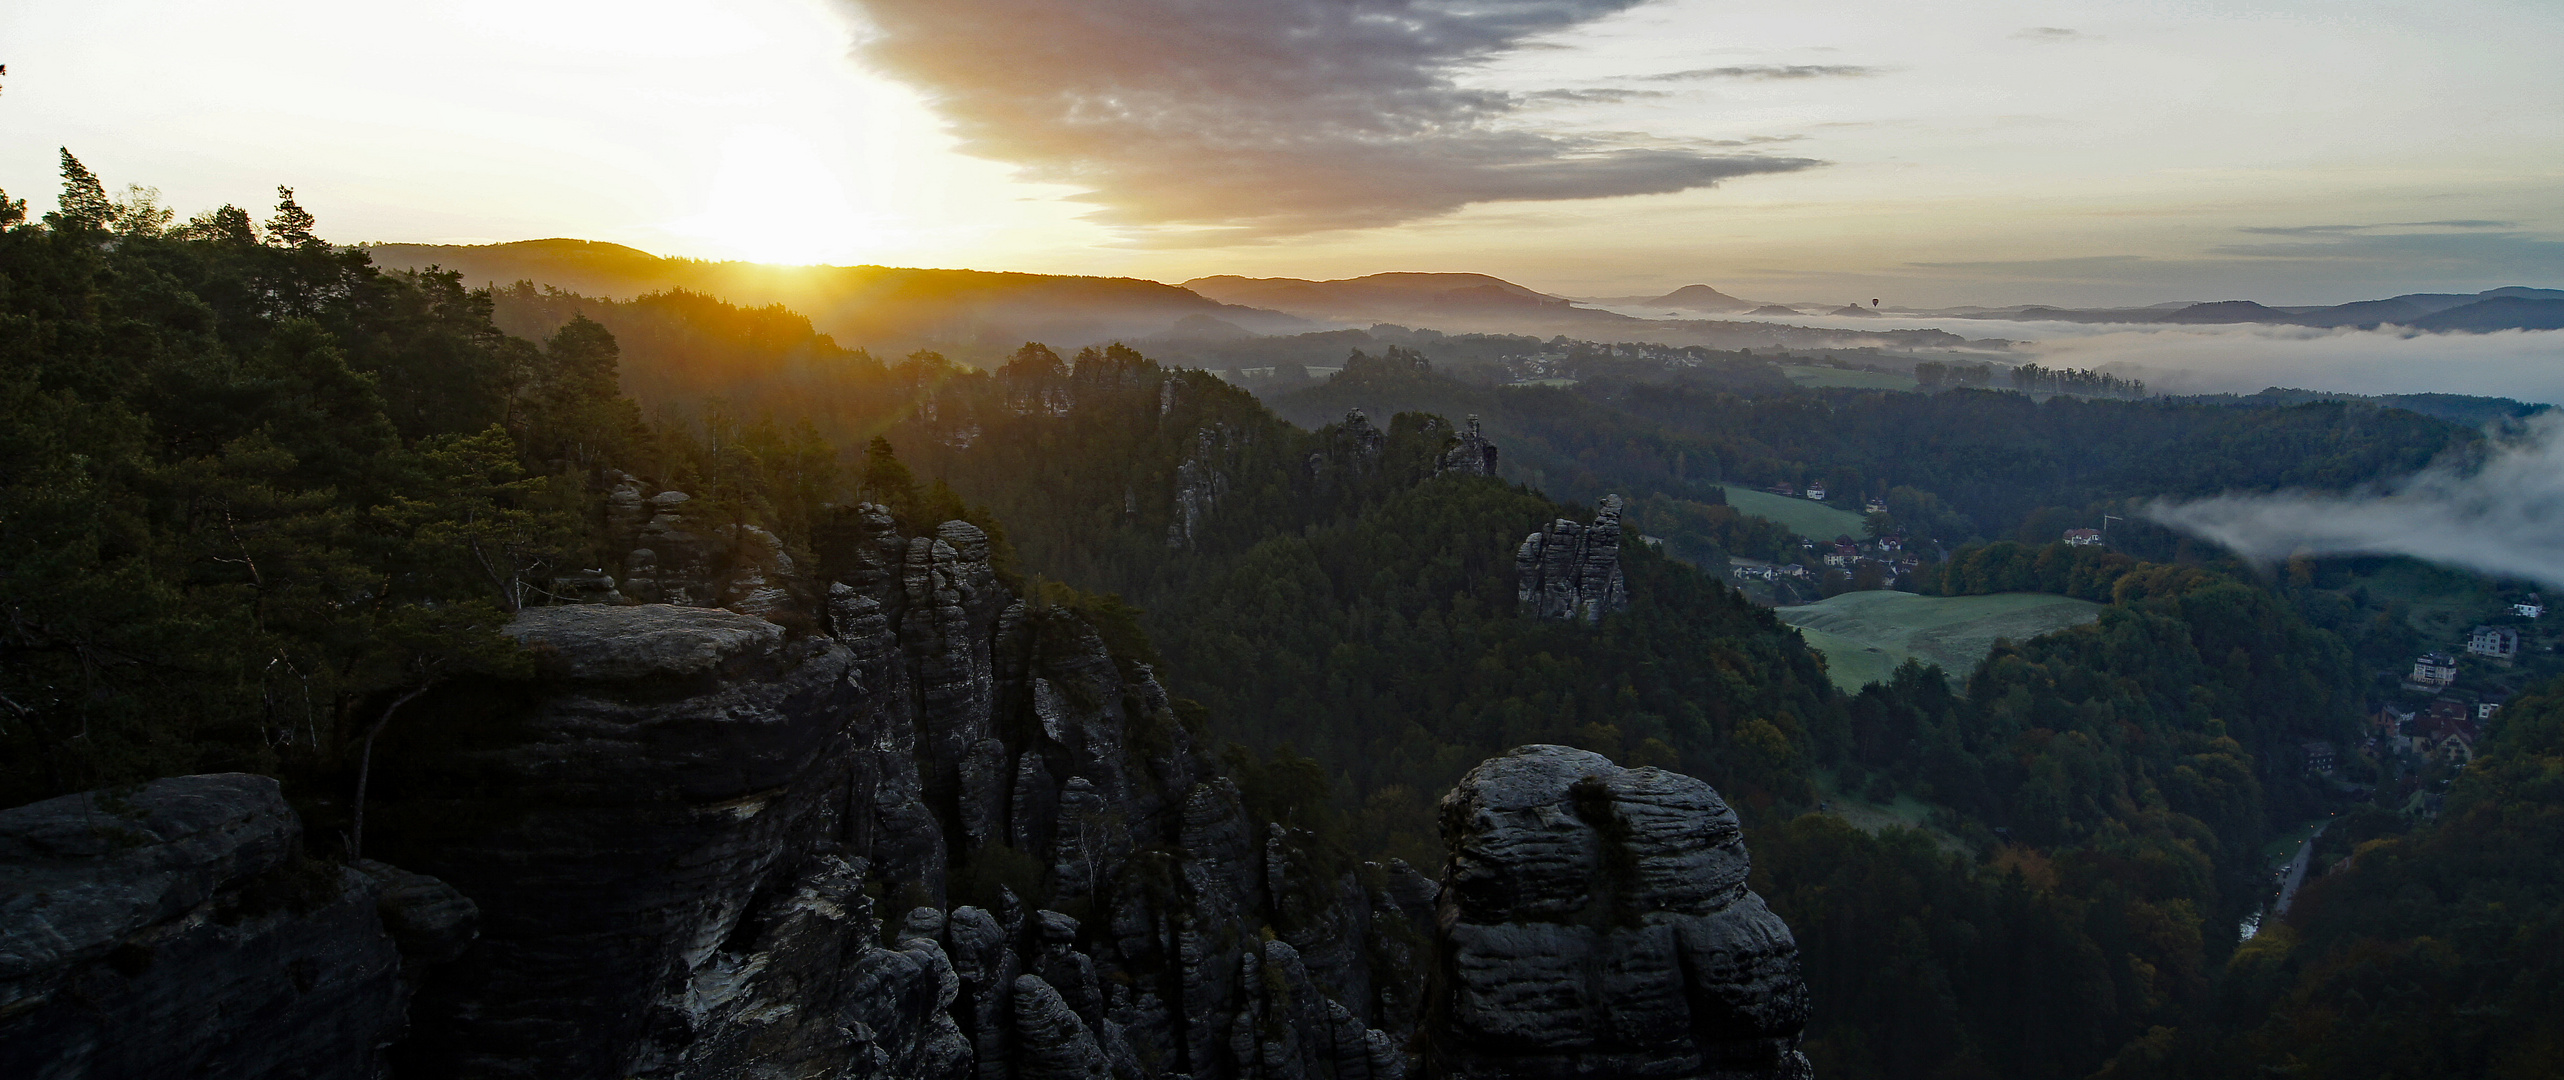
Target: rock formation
{"type": "Point", "coordinates": [1199, 483]}
{"type": "Point", "coordinates": [1594, 922]}
{"type": "Point", "coordinates": [881, 818]}
{"type": "Point", "coordinates": [1572, 571]}
{"type": "Point", "coordinates": [950, 836]}
{"type": "Point", "coordinates": [176, 930]}
{"type": "Point", "coordinates": [1472, 455]}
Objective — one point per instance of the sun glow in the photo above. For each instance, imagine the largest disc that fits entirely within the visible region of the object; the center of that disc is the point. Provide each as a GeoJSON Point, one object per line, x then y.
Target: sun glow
{"type": "Point", "coordinates": [773, 199]}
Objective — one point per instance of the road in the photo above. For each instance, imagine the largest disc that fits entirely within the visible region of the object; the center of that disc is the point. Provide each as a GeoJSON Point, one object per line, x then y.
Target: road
{"type": "Point", "coordinates": [2297, 870]}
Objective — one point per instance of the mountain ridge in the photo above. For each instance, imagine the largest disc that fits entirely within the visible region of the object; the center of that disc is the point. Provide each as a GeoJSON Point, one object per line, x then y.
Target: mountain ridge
{"type": "Point", "coordinates": [974, 314]}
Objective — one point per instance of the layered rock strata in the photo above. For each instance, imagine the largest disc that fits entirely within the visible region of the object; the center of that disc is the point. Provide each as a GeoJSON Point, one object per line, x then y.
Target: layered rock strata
{"type": "Point", "coordinates": [1594, 922]}
{"type": "Point", "coordinates": [176, 930]}
{"type": "Point", "coordinates": [940, 833]}
{"type": "Point", "coordinates": [1568, 570]}
{"type": "Point", "coordinates": [886, 819]}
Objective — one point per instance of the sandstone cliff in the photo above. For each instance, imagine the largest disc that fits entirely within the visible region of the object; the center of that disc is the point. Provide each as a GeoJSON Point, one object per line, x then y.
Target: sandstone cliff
{"type": "Point", "coordinates": [1568, 570]}
{"type": "Point", "coordinates": [1471, 455]}
{"type": "Point", "coordinates": [176, 930]}
{"type": "Point", "coordinates": [900, 822]}
{"type": "Point", "coordinates": [1594, 921]}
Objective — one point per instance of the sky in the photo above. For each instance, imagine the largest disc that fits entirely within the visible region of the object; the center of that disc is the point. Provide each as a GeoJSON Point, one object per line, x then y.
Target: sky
{"type": "Point", "coordinates": [1966, 152]}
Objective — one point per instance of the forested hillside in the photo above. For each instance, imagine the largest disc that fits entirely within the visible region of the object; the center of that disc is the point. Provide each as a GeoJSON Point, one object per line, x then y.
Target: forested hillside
{"type": "Point", "coordinates": [977, 315]}
{"type": "Point", "coordinates": [2429, 951]}
{"type": "Point", "coordinates": [255, 489]}
{"type": "Point", "coordinates": [1951, 466]}
{"type": "Point", "coordinates": [256, 494]}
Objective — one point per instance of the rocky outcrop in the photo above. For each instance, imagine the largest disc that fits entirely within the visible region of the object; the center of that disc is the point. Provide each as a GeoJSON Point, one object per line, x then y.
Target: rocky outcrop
{"type": "Point", "coordinates": [1471, 454]}
{"type": "Point", "coordinates": [1594, 922]}
{"type": "Point", "coordinates": [669, 557]}
{"type": "Point", "coordinates": [893, 821]}
{"type": "Point", "coordinates": [940, 832]}
{"type": "Point", "coordinates": [1199, 483]}
{"type": "Point", "coordinates": [1364, 440]}
{"type": "Point", "coordinates": [176, 930]}
{"type": "Point", "coordinates": [1568, 570]}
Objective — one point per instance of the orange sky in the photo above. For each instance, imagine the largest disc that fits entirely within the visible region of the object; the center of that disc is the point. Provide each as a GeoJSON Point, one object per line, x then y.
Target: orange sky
{"type": "Point", "coordinates": [1938, 154]}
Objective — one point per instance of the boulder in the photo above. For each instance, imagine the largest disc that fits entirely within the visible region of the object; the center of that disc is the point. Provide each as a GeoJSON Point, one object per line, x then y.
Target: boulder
{"type": "Point", "coordinates": [1594, 922]}
{"type": "Point", "coordinates": [175, 930]}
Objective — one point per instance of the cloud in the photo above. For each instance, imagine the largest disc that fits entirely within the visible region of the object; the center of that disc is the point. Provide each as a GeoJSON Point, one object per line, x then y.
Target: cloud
{"type": "Point", "coordinates": [1596, 96]}
{"type": "Point", "coordinates": [1213, 121]}
{"type": "Point", "coordinates": [2506, 518]}
{"type": "Point", "coordinates": [1767, 71]}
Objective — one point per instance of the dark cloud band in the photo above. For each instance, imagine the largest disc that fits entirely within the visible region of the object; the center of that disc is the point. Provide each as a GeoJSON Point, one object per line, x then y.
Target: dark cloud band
{"type": "Point", "coordinates": [1235, 119]}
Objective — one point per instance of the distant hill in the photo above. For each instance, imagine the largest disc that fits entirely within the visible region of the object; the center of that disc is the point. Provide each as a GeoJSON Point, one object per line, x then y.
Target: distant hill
{"type": "Point", "coordinates": [1699, 298]}
{"type": "Point", "coordinates": [973, 315]}
{"type": "Point", "coordinates": [980, 316]}
{"type": "Point", "coordinates": [2225, 311]}
{"type": "Point", "coordinates": [2365, 313]}
{"type": "Point", "coordinates": [1776, 309]}
{"type": "Point", "coordinates": [2514, 307]}
{"type": "Point", "coordinates": [1395, 297]}
{"type": "Point", "coordinates": [2463, 409]}
{"type": "Point", "coordinates": [1480, 304]}
{"type": "Point", "coordinates": [2498, 313]}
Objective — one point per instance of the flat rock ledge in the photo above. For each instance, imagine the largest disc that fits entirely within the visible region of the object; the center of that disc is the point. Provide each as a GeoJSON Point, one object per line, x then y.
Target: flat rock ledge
{"type": "Point", "coordinates": [599, 642]}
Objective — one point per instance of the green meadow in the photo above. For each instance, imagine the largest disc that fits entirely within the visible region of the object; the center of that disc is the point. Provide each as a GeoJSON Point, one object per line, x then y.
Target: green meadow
{"type": "Point", "coordinates": [1810, 519]}
{"type": "Point", "coordinates": [1865, 635]}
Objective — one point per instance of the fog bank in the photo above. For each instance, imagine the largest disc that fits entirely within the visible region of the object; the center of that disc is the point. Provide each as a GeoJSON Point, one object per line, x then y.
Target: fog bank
{"type": "Point", "coordinates": [2506, 518]}
{"type": "Point", "coordinates": [2524, 364]}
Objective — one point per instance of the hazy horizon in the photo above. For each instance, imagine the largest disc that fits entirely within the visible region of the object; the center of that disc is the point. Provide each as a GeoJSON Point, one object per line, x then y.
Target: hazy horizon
{"type": "Point", "coordinates": [1986, 153]}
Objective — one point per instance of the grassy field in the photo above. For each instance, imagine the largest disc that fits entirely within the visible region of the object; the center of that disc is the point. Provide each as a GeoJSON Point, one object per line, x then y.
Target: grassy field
{"type": "Point", "coordinates": [1851, 664]}
{"type": "Point", "coordinates": [2444, 603]}
{"type": "Point", "coordinates": [1865, 635]}
{"type": "Point", "coordinates": [1813, 520]}
{"type": "Point", "coordinates": [1870, 817]}
{"type": "Point", "coordinates": [1811, 375]}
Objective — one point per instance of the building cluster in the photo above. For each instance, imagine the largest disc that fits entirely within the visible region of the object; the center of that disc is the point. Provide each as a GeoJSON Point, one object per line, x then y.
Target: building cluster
{"type": "Point", "coordinates": [1887, 553]}
{"type": "Point", "coordinates": [1787, 490]}
{"type": "Point", "coordinates": [2440, 721]}
{"type": "Point", "coordinates": [2444, 730]}
{"type": "Point", "coordinates": [1769, 571]}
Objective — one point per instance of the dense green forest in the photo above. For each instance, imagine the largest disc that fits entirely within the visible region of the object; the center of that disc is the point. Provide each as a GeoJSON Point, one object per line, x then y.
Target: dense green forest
{"type": "Point", "coordinates": [1953, 466]}
{"type": "Point", "coordinates": [257, 493]}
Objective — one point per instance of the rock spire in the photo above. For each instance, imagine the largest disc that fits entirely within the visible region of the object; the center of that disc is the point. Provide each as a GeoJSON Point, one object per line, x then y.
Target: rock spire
{"type": "Point", "coordinates": [1571, 571]}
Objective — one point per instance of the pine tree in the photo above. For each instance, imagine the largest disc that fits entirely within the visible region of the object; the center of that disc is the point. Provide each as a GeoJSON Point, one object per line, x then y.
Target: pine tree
{"type": "Point", "coordinates": [292, 225]}
{"type": "Point", "coordinates": [84, 200]}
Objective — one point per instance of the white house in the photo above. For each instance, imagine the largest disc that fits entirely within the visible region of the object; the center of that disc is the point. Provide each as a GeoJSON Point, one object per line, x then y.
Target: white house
{"type": "Point", "coordinates": [2435, 669]}
{"type": "Point", "coordinates": [2083, 537]}
{"type": "Point", "coordinates": [2498, 642]}
{"type": "Point", "coordinates": [2531, 608]}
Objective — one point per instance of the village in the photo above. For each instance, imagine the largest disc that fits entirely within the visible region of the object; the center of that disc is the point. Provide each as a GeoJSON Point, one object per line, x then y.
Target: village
{"type": "Point", "coordinates": [2428, 727]}
{"type": "Point", "coordinates": [1843, 564]}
